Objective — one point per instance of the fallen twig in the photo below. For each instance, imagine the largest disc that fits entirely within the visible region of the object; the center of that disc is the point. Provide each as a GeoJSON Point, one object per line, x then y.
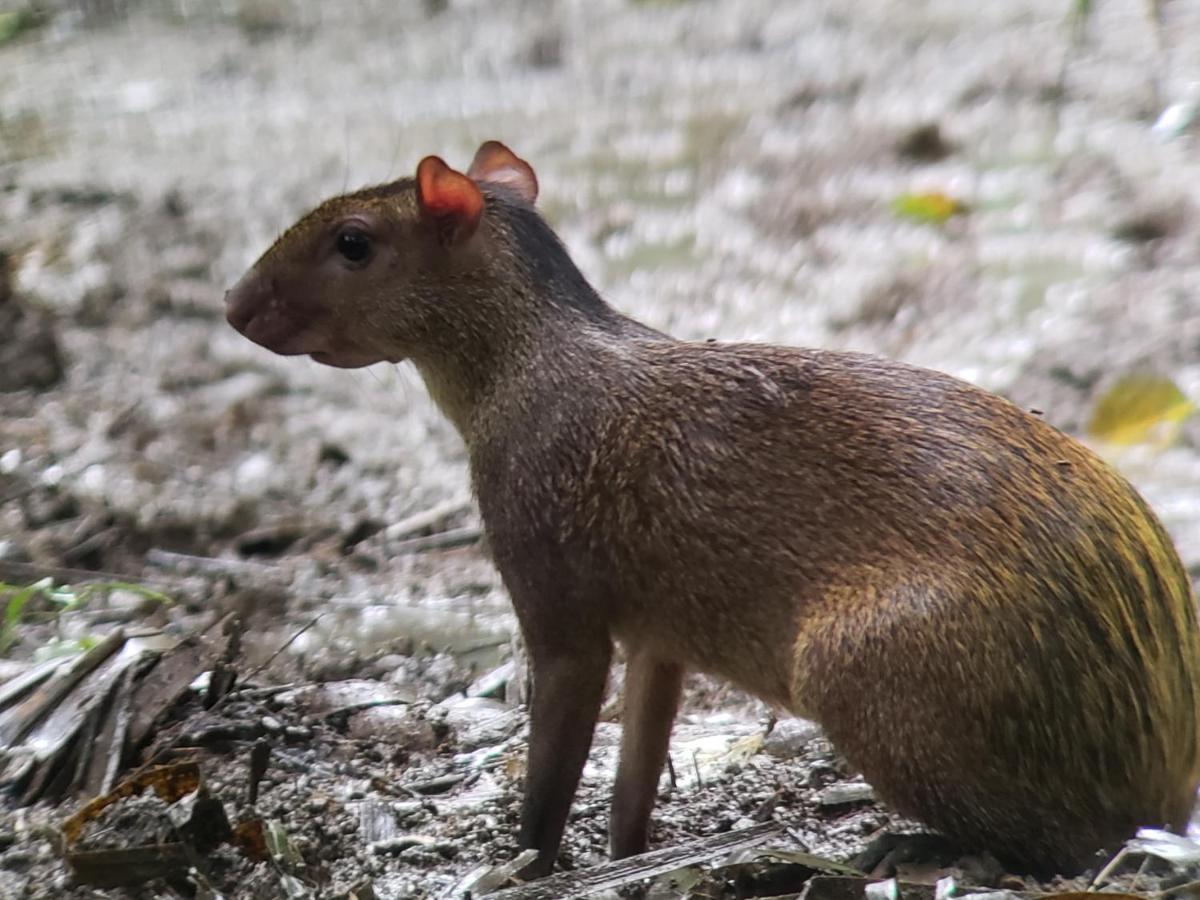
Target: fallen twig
{"type": "Point", "coordinates": [443, 540]}
{"type": "Point", "coordinates": [160, 753]}
{"type": "Point", "coordinates": [437, 785]}
{"type": "Point", "coordinates": [494, 682]}
{"type": "Point", "coordinates": [291, 640]}
{"type": "Point", "coordinates": [19, 721]}
{"type": "Point", "coordinates": [205, 565]}
{"type": "Point", "coordinates": [427, 518]}
{"type": "Point", "coordinates": [29, 572]}
{"type": "Point", "coordinates": [614, 875]}
{"type": "Point", "coordinates": [20, 492]}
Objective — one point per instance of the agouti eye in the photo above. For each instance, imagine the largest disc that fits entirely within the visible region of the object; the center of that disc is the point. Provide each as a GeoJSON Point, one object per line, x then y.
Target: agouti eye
{"type": "Point", "coordinates": [353, 245]}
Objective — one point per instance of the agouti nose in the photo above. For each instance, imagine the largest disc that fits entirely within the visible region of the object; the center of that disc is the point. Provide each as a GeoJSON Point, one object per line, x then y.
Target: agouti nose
{"type": "Point", "coordinates": [243, 301]}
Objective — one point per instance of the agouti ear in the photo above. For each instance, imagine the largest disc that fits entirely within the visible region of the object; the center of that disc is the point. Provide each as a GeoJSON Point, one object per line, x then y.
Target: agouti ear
{"type": "Point", "coordinates": [497, 164]}
{"type": "Point", "coordinates": [449, 199]}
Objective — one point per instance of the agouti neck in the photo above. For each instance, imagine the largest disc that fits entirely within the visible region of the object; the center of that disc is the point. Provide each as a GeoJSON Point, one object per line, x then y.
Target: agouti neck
{"type": "Point", "coordinates": [515, 323]}
{"type": "Point", "coordinates": [477, 362]}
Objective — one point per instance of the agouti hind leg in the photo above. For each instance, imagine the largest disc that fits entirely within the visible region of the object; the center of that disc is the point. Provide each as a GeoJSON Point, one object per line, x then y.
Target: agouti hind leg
{"type": "Point", "coordinates": [568, 687]}
{"type": "Point", "coordinates": [1023, 735]}
{"type": "Point", "coordinates": [652, 689]}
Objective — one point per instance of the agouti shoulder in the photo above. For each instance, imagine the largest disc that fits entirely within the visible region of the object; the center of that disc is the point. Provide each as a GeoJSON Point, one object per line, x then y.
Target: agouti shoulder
{"type": "Point", "coordinates": [987, 620]}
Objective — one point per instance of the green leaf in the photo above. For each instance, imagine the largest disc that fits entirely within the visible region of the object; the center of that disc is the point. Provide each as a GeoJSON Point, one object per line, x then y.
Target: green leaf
{"type": "Point", "coordinates": [932, 207]}
{"type": "Point", "coordinates": [14, 609]}
{"type": "Point", "coordinates": [61, 647]}
{"type": "Point", "coordinates": [140, 589]}
{"type": "Point", "coordinates": [14, 24]}
{"type": "Point", "coordinates": [65, 596]}
{"type": "Point", "coordinates": [1140, 409]}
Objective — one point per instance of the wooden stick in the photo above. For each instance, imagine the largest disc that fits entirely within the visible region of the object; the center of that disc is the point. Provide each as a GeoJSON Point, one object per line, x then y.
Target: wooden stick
{"type": "Point", "coordinates": [443, 540]}
{"type": "Point", "coordinates": [204, 565]}
{"type": "Point", "coordinates": [18, 571]}
{"type": "Point", "coordinates": [426, 518]}
{"type": "Point", "coordinates": [613, 875]}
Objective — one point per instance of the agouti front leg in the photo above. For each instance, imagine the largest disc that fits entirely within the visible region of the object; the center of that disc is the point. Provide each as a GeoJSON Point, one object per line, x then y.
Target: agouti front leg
{"type": "Point", "coordinates": [568, 687]}
{"type": "Point", "coordinates": [652, 689]}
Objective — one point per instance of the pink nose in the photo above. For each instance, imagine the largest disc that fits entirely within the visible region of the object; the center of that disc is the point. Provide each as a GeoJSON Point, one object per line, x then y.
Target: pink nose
{"type": "Point", "coordinates": [245, 300]}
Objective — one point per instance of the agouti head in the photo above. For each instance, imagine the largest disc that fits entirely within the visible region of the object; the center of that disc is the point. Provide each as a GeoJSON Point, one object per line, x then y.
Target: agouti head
{"type": "Point", "coordinates": [365, 277]}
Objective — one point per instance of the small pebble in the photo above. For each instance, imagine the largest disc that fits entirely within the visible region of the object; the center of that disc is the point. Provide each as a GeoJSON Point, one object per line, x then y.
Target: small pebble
{"type": "Point", "coordinates": [789, 737]}
{"type": "Point", "coordinates": [846, 794]}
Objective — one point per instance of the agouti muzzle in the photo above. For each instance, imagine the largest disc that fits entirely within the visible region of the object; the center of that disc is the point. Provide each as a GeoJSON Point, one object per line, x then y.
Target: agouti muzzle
{"type": "Point", "coordinates": [987, 620]}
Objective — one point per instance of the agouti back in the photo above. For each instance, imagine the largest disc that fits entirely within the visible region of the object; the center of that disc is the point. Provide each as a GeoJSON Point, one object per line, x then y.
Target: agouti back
{"type": "Point", "coordinates": [986, 618]}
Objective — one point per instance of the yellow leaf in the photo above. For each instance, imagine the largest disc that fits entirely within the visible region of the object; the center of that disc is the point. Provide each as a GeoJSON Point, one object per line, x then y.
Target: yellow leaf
{"type": "Point", "coordinates": [744, 747]}
{"type": "Point", "coordinates": [1140, 408]}
{"type": "Point", "coordinates": [934, 207]}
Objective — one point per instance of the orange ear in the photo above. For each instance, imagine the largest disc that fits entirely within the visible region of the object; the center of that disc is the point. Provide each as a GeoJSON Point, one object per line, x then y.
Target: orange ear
{"type": "Point", "coordinates": [450, 199]}
{"type": "Point", "coordinates": [497, 164]}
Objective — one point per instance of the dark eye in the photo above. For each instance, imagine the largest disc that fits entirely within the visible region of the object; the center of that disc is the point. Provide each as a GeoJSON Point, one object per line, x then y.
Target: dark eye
{"type": "Point", "coordinates": [353, 245]}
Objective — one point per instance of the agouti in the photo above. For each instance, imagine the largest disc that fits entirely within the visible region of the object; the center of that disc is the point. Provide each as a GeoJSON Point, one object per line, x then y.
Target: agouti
{"type": "Point", "coordinates": [987, 619]}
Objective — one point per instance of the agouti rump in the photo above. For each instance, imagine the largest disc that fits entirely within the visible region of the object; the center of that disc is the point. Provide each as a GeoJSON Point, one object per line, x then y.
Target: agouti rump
{"type": "Point", "coordinates": [986, 618]}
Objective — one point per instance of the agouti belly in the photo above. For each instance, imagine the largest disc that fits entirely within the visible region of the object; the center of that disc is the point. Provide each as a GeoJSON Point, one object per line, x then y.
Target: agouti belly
{"type": "Point", "coordinates": [986, 619]}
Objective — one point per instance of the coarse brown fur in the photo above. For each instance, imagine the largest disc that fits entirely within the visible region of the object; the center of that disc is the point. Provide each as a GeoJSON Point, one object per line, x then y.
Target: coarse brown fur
{"type": "Point", "coordinates": [987, 619]}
